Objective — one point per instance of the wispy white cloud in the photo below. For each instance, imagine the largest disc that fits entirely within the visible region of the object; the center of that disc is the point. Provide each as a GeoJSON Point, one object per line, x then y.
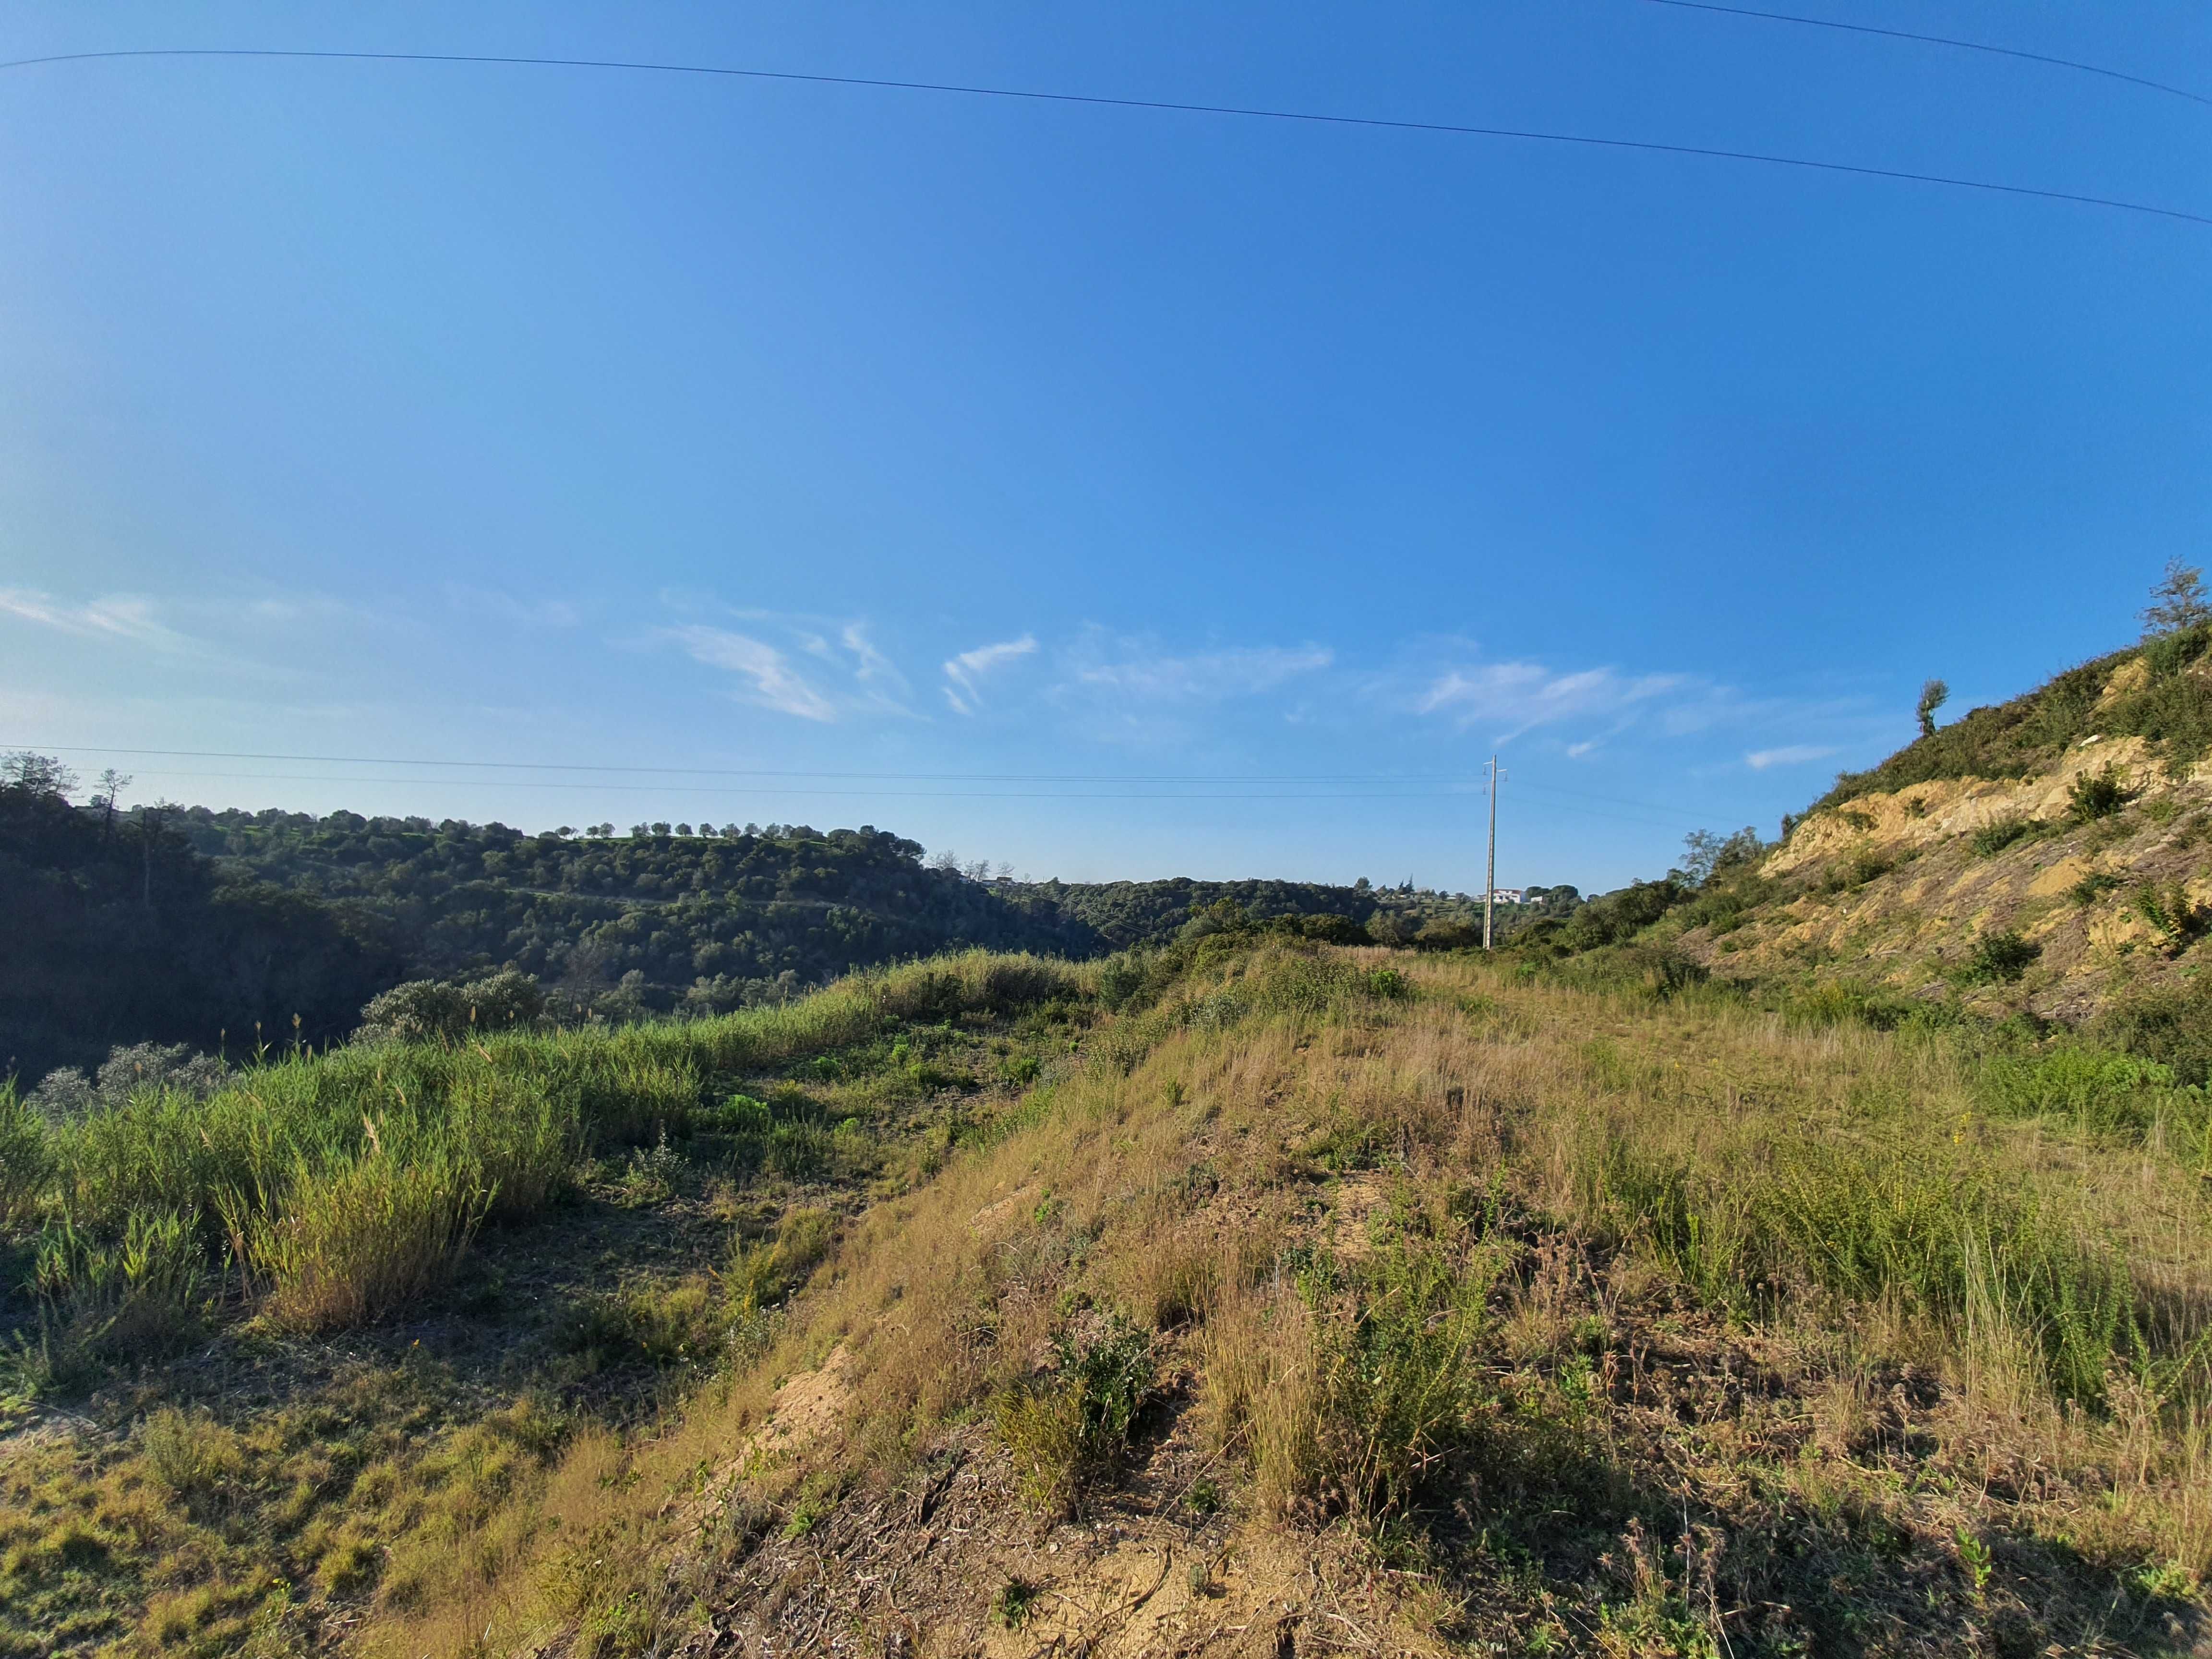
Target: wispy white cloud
{"type": "Point", "coordinates": [964, 673]}
{"type": "Point", "coordinates": [1148, 676]}
{"type": "Point", "coordinates": [770, 679]}
{"type": "Point", "coordinates": [1792, 754]}
{"type": "Point", "coordinates": [1519, 696]}
{"type": "Point", "coordinates": [512, 608]}
{"type": "Point", "coordinates": [117, 616]}
{"type": "Point", "coordinates": [870, 666]}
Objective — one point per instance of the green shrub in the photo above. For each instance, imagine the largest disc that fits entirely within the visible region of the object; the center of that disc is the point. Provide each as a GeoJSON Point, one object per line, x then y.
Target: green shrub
{"type": "Point", "coordinates": [1397, 1389]}
{"type": "Point", "coordinates": [1120, 980]}
{"type": "Point", "coordinates": [1837, 1002]}
{"type": "Point", "coordinates": [114, 1300]}
{"type": "Point", "coordinates": [26, 1161]}
{"type": "Point", "coordinates": [518, 1146]}
{"type": "Point", "coordinates": [189, 1454]}
{"type": "Point", "coordinates": [2171, 914]}
{"type": "Point", "coordinates": [687, 1323]}
{"type": "Point", "coordinates": [1999, 958]}
{"type": "Point", "coordinates": [2096, 795]}
{"type": "Point", "coordinates": [2094, 886]}
{"type": "Point", "coordinates": [1883, 1220]}
{"type": "Point", "coordinates": [1387, 984]}
{"type": "Point", "coordinates": [1066, 1428]}
{"type": "Point", "coordinates": [738, 1114]}
{"type": "Point", "coordinates": [649, 1177]}
{"type": "Point", "coordinates": [1998, 834]}
{"type": "Point", "coordinates": [2170, 1023]}
{"type": "Point", "coordinates": [2169, 653]}
{"type": "Point", "coordinates": [441, 1010]}
{"type": "Point", "coordinates": [761, 1273]}
{"type": "Point", "coordinates": [1010, 1607]}
{"type": "Point", "coordinates": [2097, 1089]}
{"type": "Point", "coordinates": [797, 1151]}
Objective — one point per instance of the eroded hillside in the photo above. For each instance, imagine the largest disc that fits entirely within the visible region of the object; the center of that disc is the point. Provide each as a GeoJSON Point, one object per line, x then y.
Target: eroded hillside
{"type": "Point", "coordinates": [2079, 881]}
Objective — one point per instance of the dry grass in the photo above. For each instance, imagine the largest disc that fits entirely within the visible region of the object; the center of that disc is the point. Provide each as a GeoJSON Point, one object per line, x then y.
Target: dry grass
{"type": "Point", "coordinates": [1642, 1324]}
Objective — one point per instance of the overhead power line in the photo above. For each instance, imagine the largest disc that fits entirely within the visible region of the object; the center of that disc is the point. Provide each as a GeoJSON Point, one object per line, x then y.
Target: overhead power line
{"type": "Point", "coordinates": [755, 772]}
{"type": "Point", "coordinates": [1244, 112]}
{"type": "Point", "coordinates": [1046, 785]}
{"type": "Point", "coordinates": [1936, 41]}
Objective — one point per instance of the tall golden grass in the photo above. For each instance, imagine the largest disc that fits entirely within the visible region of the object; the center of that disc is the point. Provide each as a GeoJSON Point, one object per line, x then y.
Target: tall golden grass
{"type": "Point", "coordinates": [1864, 1198]}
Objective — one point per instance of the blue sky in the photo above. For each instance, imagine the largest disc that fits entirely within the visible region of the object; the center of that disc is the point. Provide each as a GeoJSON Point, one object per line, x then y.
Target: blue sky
{"type": "Point", "coordinates": [892, 458]}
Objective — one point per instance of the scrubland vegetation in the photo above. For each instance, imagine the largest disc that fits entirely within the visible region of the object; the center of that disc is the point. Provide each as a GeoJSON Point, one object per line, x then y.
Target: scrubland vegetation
{"type": "Point", "coordinates": [283, 1338]}
{"type": "Point", "coordinates": [1806, 1252]}
{"type": "Point", "coordinates": [166, 924]}
{"type": "Point", "coordinates": [1464, 1302]}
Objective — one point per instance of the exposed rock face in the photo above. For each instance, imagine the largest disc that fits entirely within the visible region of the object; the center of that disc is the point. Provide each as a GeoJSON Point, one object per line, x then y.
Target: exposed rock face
{"type": "Point", "coordinates": [1904, 887]}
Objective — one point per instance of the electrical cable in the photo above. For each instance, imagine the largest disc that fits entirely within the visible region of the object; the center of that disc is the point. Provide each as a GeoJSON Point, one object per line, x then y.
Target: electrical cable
{"type": "Point", "coordinates": [746, 772]}
{"type": "Point", "coordinates": [665, 790]}
{"type": "Point", "coordinates": [1473, 789]}
{"type": "Point", "coordinates": [1248, 112]}
{"type": "Point", "coordinates": [1936, 41]}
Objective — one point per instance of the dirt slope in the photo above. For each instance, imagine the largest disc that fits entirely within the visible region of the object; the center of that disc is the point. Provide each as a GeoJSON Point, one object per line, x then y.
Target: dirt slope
{"type": "Point", "coordinates": [1902, 888]}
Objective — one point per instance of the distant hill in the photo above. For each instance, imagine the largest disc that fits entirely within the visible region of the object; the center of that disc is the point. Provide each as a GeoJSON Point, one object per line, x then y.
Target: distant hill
{"type": "Point", "coordinates": [190, 923]}
{"type": "Point", "coordinates": [644, 923]}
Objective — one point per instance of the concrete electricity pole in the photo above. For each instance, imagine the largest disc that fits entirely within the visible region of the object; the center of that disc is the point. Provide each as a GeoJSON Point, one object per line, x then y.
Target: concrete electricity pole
{"type": "Point", "coordinates": [1489, 880]}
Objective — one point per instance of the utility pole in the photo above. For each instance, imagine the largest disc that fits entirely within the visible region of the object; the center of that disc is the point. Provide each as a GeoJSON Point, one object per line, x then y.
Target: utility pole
{"type": "Point", "coordinates": [1490, 879]}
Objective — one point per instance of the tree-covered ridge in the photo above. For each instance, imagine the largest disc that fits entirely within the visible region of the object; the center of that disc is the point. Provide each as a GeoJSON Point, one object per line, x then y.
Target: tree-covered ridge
{"type": "Point", "coordinates": [120, 933]}
{"type": "Point", "coordinates": [650, 921]}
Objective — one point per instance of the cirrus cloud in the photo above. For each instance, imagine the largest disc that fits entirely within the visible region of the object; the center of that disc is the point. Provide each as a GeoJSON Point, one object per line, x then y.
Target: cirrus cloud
{"type": "Point", "coordinates": [1789, 754]}
{"type": "Point", "coordinates": [964, 672]}
{"type": "Point", "coordinates": [770, 679]}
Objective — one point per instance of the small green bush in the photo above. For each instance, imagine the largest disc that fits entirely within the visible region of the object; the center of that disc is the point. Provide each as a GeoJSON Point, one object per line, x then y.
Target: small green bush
{"type": "Point", "coordinates": [2097, 1089]}
{"type": "Point", "coordinates": [1999, 958]}
{"type": "Point", "coordinates": [2171, 914]}
{"type": "Point", "coordinates": [763, 1272]}
{"type": "Point", "coordinates": [26, 1161]}
{"type": "Point", "coordinates": [189, 1454]}
{"type": "Point", "coordinates": [1397, 1388]}
{"type": "Point", "coordinates": [650, 1177]}
{"type": "Point", "coordinates": [1998, 834]}
{"type": "Point", "coordinates": [1387, 983]}
{"type": "Point", "coordinates": [2096, 795]}
{"type": "Point", "coordinates": [1068, 1427]}
{"type": "Point", "coordinates": [2170, 1023]}
{"type": "Point", "coordinates": [687, 1323]}
{"type": "Point", "coordinates": [1836, 1002]}
{"type": "Point", "coordinates": [2094, 886]}
{"type": "Point", "coordinates": [108, 1301]}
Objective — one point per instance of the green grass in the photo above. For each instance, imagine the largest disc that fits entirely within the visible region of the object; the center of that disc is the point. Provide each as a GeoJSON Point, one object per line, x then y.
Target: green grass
{"type": "Point", "coordinates": [324, 1330]}
{"type": "Point", "coordinates": [350, 1184]}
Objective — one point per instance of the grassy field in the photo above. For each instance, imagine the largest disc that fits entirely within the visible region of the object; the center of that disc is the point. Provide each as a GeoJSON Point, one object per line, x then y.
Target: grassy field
{"type": "Point", "coordinates": [274, 1356]}
{"type": "Point", "coordinates": [1270, 1297]}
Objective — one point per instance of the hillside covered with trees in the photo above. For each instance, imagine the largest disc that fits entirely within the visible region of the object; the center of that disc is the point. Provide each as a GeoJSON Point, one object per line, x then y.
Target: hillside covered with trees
{"type": "Point", "coordinates": [119, 933]}
{"type": "Point", "coordinates": [187, 924]}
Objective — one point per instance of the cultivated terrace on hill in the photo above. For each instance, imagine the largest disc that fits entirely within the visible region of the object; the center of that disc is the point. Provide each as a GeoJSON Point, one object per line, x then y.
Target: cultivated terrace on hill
{"type": "Point", "coordinates": [1248, 1296]}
